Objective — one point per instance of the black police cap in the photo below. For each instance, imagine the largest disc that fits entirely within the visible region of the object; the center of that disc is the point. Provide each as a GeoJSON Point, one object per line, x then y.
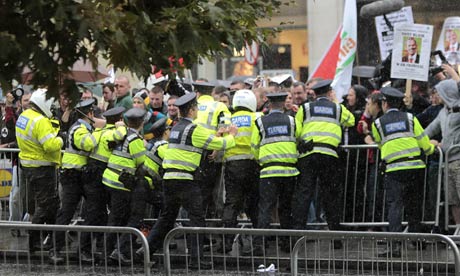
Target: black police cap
{"type": "Point", "coordinates": [390, 93]}
{"type": "Point", "coordinates": [135, 113]}
{"type": "Point", "coordinates": [203, 87]}
{"type": "Point", "coordinates": [159, 126]}
{"type": "Point", "coordinates": [186, 99]}
{"type": "Point", "coordinates": [114, 112]}
{"type": "Point", "coordinates": [322, 86]}
{"type": "Point", "coordinates": [85, 106]}
{"type": "Point", "coordinates": [277, 96]}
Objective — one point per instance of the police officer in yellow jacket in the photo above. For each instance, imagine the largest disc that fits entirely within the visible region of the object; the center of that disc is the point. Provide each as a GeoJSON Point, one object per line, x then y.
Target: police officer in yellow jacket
{"type": "Point", "coordinates": [156, 149]}
{"type": "Point", "coordinates": [241, 170]}
{"type": "Point", "coordinates": [402, 142]}
{"type": "Point", "coordinates": [211, 115]}
{"type": "Point", "coordinates": [79, 145]}
{"type": "Point", "coordinates": [320, 123]}
{"type": "Point", "coordinates": [95, 205]}
{"type": "Point", "coordinates": [274, 146]}
{"type": "Point", "coordinates": [120, 180]}
{"type": "Point", "coordinates": [181, 163]}
{"type": "Point", "coordinates": [40, 153]}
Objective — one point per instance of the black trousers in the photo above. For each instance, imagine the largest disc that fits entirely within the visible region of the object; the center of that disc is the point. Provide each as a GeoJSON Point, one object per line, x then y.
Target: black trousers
{"type": "Point", "coordinates": [179, 193]}
{"type": "Point", "coordinates": [241, 191]}
{"type": "Point", "coordinates": [137, 213]}
{"type": "Point", "coordinates": [207, 181]}
{"type": "Point", "coordinates": [43, 201]}
{"type": "Point", "coordinates": [95, 205]}
{"type": "Point", "coordinates": [404, 189]}
{"type": "Point", "coordinates": [72, 192]}
{"type": "Point", "coordinates": [321, 168]}
{"type": "Point", "coordinates": [120, 209]}
{"type": "Point", "coordinates": [271, 191]}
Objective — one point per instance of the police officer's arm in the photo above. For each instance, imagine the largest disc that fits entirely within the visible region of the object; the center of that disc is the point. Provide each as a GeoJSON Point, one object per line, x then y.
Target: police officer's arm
{"type": "Point", "coordinates": [84, 140]}
{"type": "Point", "coordinates": [376, 135]}
{"type": "Point", "coordinates": [202, 139]}
{"type": "Point", "coordinates": [422, 139]}
{"type": "Point", "coordinates": [224, 115]}
{"type": "Point", "coordinates": [347, 119]}
{"type": "Point", "coordinates": [47, 136]}
{"type": "Point", "coordinates": [137, 151]}
{"type": "Point", "coordinates": [255, 141]}
{"type": "Point", "coordinates": [299, 122]}
{"type": "Point", "coordinates": [119, 133]}
{"type": "Point", "coordinates": [161, 150]}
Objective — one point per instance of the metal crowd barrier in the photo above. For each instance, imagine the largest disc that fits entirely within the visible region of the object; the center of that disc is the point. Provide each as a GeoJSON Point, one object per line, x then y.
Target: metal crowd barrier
{"type": "Point", "coordinates": [446, 193]}
{"type": "Point", "coordinates": [16, 257]}
{"type": "Point", "coordinates": [315, 253]}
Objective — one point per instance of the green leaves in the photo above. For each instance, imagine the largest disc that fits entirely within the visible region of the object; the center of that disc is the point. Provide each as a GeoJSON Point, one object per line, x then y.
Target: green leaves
{"type": "Point", "coordinates": [49, 36]}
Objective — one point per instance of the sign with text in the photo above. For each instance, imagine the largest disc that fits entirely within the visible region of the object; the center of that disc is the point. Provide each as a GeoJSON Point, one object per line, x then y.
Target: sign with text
{"type": "Point", "coordinates": [411, 51]}
{"type": "Point", "coordinates": [449, 40]}
{"type": "Point", "coordinates": [384, 34]}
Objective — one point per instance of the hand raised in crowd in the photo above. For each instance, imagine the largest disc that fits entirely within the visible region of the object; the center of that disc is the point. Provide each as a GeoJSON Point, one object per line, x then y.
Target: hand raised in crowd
{"type": "Point", "coordinates": [449, 70]}
{"type": "Point", "coordinates": [119, 124]}
{"type": "Point", "coordinates": [232, 130]}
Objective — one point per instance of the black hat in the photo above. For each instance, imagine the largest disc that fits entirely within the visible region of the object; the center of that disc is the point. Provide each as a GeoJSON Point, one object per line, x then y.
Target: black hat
{"type": "Point", "coordinates": [203, 87]}
{"type": "Point", "coordinates": [277, 96]}
{"type": "Point", "coordinates": [85, 106]}
{"type": "Point", "coordinates": [159, 127]}
{"type": "Point", "coordinates": [390, 93]}
{"type": "Point", "coordinates": [135, 113]}
{"type": "Point", "coordinates": [322, 87]}
{"type": "Point", "coordinates": [185, 100]}
{"type": "Point", "coordinates": [114, 112]}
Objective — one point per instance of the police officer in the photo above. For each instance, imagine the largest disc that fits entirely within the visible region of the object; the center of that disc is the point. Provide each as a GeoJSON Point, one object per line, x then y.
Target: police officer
{"type": "Point", "coordinates": [320, 123]}
{"type": "Point", "coordinates": [211, 115]}
{"type": "Point", "coordinates": [187, 142]}
{"type": "Point", "coordinates": [79, 145]}
{"type": "Point", "coordinates": [95, 206]}
{"type": "Point", "coordinates": [119, 179]}
{"type": "Point", "coordinates": [273, 144]}
{"type": "Point", "coordinates": [39, 155]}
{"type": "Point", "coordinates": [402, 141]}
{"type": "Point", "coordinates": [241, 170]}
{"type": "Point", "coordinates": [156, 149]}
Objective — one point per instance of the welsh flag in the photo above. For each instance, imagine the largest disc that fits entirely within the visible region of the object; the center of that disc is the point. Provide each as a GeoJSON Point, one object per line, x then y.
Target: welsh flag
{"type": "Point", "coordinates": [337, 62]}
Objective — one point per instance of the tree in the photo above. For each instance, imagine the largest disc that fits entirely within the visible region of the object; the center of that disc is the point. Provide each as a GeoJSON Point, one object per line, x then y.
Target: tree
{"type": "Point", "coordinates": [49, 36]}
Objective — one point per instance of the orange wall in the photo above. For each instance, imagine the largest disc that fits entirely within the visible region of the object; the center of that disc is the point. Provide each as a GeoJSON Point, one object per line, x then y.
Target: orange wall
{"type": "Point", "coordinates": [299, 46]}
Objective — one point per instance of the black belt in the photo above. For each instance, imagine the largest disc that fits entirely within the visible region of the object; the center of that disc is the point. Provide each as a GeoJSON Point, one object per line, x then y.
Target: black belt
{"type": "Point", "coordinates": [404, 159]}
{"type": "Point", "coordinates": [324, 145]}
{"type": "Point", "coordinates": [284, 164]}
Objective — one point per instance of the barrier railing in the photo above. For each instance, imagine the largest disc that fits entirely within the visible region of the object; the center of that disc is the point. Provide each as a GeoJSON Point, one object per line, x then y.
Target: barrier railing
{"type": "Point", "coordinates": [16, 253]}
{"type": "Point", "coordinates": [446, 190]}
{"type": "Point", "coordinates": [325, 252]}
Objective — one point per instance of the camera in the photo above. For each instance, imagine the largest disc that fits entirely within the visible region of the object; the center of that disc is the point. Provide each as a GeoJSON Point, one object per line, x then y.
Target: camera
{"type": "Point", "coordinates": [17, 94]}
{"type": "Point", "coordinates": [434, 70]}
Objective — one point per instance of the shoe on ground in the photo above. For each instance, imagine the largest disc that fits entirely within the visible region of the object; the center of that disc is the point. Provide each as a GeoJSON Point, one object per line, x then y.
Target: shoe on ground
{"type": "Point", "coordinates": [117, 256]}
{"type": "Point", "coordinates": [394, 252]}
{"type": "Point", "coordinates": [86, 257]}
{"type": "Point", "coordinates": [55, 257]}
{"type": "Point", "coordinates": [338, 244]}
{"type": "Point", "coordinates": [203, 265]}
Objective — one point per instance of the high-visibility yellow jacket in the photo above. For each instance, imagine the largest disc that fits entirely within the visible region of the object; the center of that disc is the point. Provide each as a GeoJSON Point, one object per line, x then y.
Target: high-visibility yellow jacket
{"type": "Point", "coordinates": [37, 140]}
{"type": "Point", "coordinates": [273, 144]}
{"type": "Point", "coordinates": [186, 144]}
{"type": "Point", "coordinates": [244, 120]}
{"type": "Point", "coordinates": [80, 144]}
{"type": "Point", "coordinates": [401, 140]}
{"type": "Point", "coordinates": [127, 156]}
{"type": "Point", "coordinates": [322, 122]}
{"type": "Point", "coordinates": [153, 161]}
{"type": "Point", "coordinates": [211, 114]}
{"type": "Point", "coordinates": [109, 133]}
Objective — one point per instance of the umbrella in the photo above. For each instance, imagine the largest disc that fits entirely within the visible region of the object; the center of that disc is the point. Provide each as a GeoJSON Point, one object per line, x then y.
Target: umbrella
{"type": "Point", "coordinates": [81, 72]}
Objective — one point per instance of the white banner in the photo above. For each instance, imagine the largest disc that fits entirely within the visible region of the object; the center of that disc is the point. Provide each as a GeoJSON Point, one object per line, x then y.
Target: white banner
{"type": "Point", "coordinates": [347, 51]}
{"type": "Point", "coordinates": [411, 51]}
{"type": "Point", "coordinates": [384, 34]}
{"type": "Point", "coordinates": [449, 39]}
